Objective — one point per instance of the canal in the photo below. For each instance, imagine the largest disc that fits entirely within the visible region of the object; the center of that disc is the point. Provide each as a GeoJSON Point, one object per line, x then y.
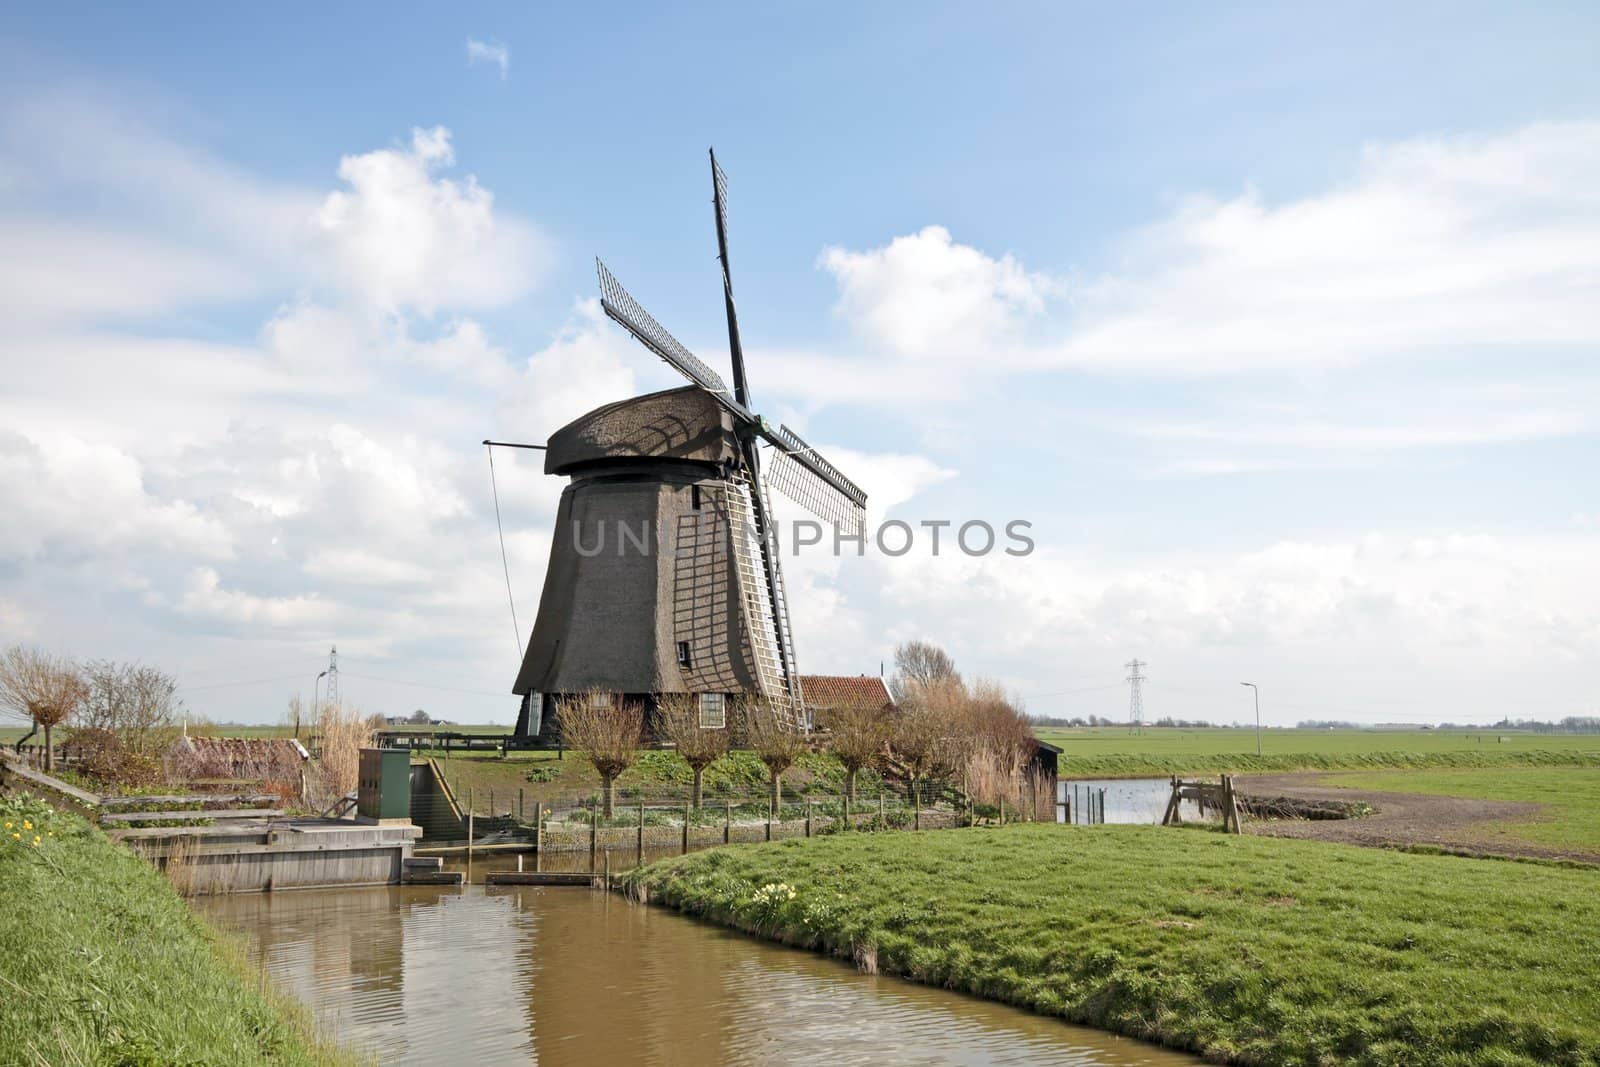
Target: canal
{"type": "Point", "coordinates": [477, 976]}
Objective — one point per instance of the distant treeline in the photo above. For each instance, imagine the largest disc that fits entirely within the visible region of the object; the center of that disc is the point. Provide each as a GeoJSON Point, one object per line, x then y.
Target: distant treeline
{"type": "Point", "coordinates": [1097, 720]}
{"type": "Point", "coordinates": [1572, 724]}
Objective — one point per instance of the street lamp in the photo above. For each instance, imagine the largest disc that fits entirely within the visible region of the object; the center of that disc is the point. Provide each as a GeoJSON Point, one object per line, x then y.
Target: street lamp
{"type": "Point", "coordinates": [1257, 692]}
{"type": "Point", "coordinates": [316, 705]}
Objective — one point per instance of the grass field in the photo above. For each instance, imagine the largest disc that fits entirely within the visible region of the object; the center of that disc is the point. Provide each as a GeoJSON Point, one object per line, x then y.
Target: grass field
{"type": "Point", "coordinates": [101, 962]}
{"type": "Point", "coordinates": [1114, 751]}
{"type": "Point", "coordinates": [1571, 796]}
{"type": "Point", "coordinates": [1247, 950]}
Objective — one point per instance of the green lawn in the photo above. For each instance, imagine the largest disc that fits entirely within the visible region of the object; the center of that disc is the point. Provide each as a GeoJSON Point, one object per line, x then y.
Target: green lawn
{"type": "Point", "coordinates": [1114, 751]}
{"type": "Point", "coordinates": [101, 962]}
{"type": "Point", "coordinates": [1244, 949]}
{"type": "Point", "coordinates": [1571, 796]}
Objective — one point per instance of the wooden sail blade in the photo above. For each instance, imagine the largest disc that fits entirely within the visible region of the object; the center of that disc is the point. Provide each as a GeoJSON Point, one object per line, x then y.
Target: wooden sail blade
{"type": "Point", "coordinates": [624, 310]}
{"type": "Point", "coordinates": [800, 473]}
{"type": "Point", "coordinates": [719, 198]}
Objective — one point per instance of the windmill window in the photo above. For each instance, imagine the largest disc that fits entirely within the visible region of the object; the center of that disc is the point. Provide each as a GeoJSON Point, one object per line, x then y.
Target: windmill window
{"type": "Point", "coordinates": [601, 700]}
{"type": "Point", "coordinates": [683, 653]}
{"type": "Point", "coordinates": [694, 497]}
{"type": "Point", "coordinates": [713, 711]}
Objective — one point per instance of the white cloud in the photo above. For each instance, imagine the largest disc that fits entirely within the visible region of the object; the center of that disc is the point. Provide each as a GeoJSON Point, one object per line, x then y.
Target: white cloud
{"type": "Point", "coordinates": [1334, 621]}
{"type": "Point", "coordinates": [68, 496]}
{"type": "Point", "coordinates": [206, 597]}
{"type": "Point", "coordinates": [925, 294]}
{"type": "Point", "coordinates": [400, 237]}
{"type": "Point", "coordinates": [366, 568]}
{"type": "Point", "coordinates": [492, 53]}
{"type": "Point", "coordinates": [1435, 247]}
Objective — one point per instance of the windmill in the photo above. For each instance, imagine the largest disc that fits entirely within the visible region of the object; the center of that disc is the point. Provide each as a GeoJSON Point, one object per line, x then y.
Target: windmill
{"type": "Point", "coordinates": [664, 574]}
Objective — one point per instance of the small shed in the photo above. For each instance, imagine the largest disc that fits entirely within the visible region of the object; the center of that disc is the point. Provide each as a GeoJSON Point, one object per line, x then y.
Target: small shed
{"type": "Point", "coordinates": [1042, 772]}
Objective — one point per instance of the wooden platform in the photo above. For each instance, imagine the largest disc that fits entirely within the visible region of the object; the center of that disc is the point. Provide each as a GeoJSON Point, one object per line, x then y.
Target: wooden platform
{"type": "Point", "coordinates": [539, 878]}
{"type": "Point", "coordinates": [432, 878]}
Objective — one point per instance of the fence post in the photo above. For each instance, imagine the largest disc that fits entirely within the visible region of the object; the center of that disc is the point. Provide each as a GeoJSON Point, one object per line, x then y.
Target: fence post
{"type": "Point", "coordinates": [469, 834]}
{"type": "Point", "coordinates": [594, 834]}
{"type": "Point", "coordinates": [1002, 809]}
{"type": "Point", "coordinates": [848, 825]}
{"type": "Point", "coordinates": [727, 824]}
{"type": "Point", "coordinates": [491, 800]}
{"type": "Point", "coordinates": [538, 826]}
{"type": "Point", "coordinates": [882, 822]}
{"type": "Point", "coordinates": [769, 816]}
{"type": "Point", "coordinates": [686, 806]}
{"type": "Point", "coordinates": [641, 829]}
{"type": "Point", "coordinates": [808, 816]}
{"type": "Point", "coordinates": [916, 807]}
{"type": "Point", "coordinates": [519, 804]}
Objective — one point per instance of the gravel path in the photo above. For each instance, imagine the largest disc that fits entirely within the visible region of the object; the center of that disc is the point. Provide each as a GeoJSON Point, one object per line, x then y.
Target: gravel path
{"type": "Point", "coordinates": [1402, 819]}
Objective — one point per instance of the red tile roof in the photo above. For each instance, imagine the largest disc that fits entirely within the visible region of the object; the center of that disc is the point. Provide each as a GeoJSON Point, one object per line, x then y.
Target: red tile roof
{"type": "Point", "coordinates": [844, 690]}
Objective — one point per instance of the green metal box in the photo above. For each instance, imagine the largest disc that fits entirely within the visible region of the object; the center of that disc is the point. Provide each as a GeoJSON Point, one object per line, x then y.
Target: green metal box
{"type": "Point", "coordinates": [383, 784]}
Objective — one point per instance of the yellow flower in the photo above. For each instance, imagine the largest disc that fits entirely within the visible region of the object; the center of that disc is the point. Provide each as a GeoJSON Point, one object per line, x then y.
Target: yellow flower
{"type": "Point", "coordinates": [16, 837]}
{"type": "Point", "coordinates": [35, 840]}
{"type": "Point", "coordinates": [26, 825]}
{"type": "Point", "coordinates": [8, 826]}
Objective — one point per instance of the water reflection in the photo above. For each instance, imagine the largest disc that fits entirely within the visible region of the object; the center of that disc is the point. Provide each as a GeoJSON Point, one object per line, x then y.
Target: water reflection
{"type": "Point", "coordinates": [568, 976]}
{"type": "Point", "coordinates": [1127, 800]}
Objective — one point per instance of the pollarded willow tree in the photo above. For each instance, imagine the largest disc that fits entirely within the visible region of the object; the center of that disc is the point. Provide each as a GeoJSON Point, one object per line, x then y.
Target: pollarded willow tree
{"type": "Point", "coordinates": [857, 736]}
{"type": "Point", "coordinates": [46, 689]}
{"type": "Point", "coordinates": [700, 745]}
{"type": "Point", "coordinates": [608, 730]}
{"type": "Point", "coordinates": [776, 743]}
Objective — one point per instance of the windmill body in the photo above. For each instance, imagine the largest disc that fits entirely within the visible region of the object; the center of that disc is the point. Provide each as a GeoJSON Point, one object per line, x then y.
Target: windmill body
{"type": "Point", "coordinates": [664, 574]}
{"type": "Point", "coordinates": [643, 594]}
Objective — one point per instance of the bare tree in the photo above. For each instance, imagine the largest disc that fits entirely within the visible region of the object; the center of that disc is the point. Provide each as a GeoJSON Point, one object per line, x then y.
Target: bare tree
{"type": "Point", "coordinates": [927, 730]}
{"type": "Point", "coordinates": [857, 734]}
{"type": "Point", "coordinates": [700, 746]}
{"type": "Point", "coordinates": [420, 718]}
{"type": "Point", "coordinates": [608, 731]}
{"type": "Point", "coordinates": [919, 665]}
{"type": "Point", "coordinates": [45, 688]}
{"type": "Point", "coordinates": [775, 742]}
{"type": "Point", "coordinates": [139, 705]}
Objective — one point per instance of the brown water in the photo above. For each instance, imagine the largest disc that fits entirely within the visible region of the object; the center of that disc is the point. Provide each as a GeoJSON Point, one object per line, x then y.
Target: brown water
{"type": "Point", "coordinates": [479, 976]}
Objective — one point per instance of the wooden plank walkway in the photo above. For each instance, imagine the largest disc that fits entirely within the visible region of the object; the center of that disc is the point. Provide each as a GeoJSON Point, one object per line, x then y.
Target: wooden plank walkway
{"type": "Point", "coordinates": [234, 799]}
{"type": "Point", "coordinates": [192, 814]}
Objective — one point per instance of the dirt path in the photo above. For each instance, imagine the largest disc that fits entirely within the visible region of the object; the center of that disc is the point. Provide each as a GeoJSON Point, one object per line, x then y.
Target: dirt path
{"type": "Point", "coordinates": [1402, 819]}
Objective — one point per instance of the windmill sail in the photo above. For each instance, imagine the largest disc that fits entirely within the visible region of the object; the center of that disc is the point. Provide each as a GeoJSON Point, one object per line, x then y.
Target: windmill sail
{"type": "Point", "coordinates": [624, 310]}
{"type": "Point", "coordinates": [797, 470]}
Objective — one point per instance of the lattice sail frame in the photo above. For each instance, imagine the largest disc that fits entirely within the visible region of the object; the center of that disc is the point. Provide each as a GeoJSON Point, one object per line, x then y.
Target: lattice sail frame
{"type": "Point", "coordinates": [624, 310]}
{"type": "Point", "coordinates": [785, 473]}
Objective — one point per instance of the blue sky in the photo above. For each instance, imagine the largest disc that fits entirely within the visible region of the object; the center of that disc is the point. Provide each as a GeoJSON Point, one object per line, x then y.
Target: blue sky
{"type": "Point", "coordinates": [1280, 326]}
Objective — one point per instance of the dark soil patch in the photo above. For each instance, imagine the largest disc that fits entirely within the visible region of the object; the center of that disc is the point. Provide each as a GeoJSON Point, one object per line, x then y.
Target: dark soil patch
{"type": "Point", "coordinates": [1402, 820]}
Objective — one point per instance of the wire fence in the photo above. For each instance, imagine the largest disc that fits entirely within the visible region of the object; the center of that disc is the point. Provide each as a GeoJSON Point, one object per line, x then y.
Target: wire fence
{"type": "Point", "coordinates": [667, 815]}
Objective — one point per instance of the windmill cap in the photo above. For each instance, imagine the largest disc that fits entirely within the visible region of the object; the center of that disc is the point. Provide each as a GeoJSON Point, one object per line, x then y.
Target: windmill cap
{"type": "Point", "coordinates": [684, 424]}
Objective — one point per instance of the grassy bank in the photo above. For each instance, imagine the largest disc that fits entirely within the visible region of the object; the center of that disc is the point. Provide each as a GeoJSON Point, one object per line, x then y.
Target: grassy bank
{"type": "Point", "coordinates": [1245, 949]}
{"type": "Point", "coordinates": [1570, 795]}
{"type": "Point", "coordinates": [1160, 765]}
{"type": "Point", "coordinates": [101, 962]}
